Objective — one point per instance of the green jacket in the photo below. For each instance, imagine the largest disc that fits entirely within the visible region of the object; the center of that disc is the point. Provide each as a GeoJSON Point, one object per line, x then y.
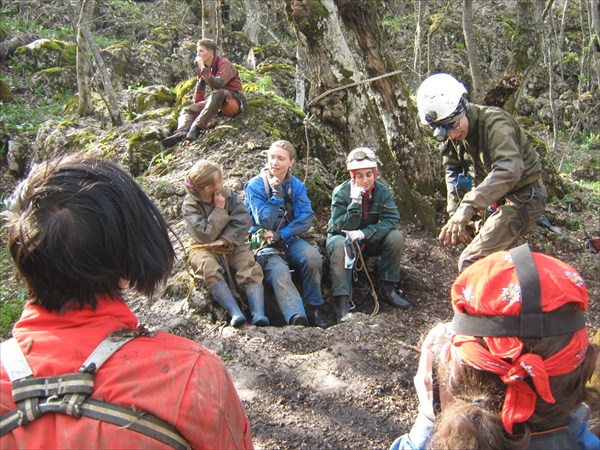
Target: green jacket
{"type": "Point", "coordinates": [382, 214]}
{"type": "Point", "coordinates": [497, 152]}
{"type": "Point", "coordinates": [207, 224]}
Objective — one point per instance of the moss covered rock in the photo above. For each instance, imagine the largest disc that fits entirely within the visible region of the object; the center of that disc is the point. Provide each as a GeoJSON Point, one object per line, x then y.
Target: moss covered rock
{"type": "Point", "coordinates": [46, 54]}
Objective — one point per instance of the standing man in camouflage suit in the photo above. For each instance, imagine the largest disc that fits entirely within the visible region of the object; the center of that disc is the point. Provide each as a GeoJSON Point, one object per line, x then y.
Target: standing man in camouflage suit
{"type": "Point", "coordinates": [488, 142]}
{"type": "Point", "coordinates": [226, 96]}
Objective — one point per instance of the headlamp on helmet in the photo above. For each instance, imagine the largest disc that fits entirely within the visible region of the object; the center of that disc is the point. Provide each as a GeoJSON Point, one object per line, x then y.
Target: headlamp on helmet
{"type": "Point", "coordinates": [441, 101]}
{"type": "Point", "coordinates": [361, 158]}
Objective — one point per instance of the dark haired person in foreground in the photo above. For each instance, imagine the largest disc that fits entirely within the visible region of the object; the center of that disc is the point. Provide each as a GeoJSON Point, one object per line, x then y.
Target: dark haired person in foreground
{"type": "Point", "coordinates": [80, 371]}
{"type": "Point", "coordinates": [511, 369]}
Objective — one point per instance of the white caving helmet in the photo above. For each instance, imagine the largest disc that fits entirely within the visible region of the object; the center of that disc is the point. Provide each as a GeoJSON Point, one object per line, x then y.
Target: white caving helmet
{"type": "Point", "coordinates": [361, 158]}
{"type": "Point", "coordinates": [441, 100]}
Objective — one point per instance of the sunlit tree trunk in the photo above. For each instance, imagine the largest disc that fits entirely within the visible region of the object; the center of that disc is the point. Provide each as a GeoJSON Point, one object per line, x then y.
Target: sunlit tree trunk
{"type": "Point", "coordinates": [417, 58]}
{"type": "Point", "coordinates": [341, 38]}
{"type": "Point", "coordinates": [471, 48]}
{"type": "Point", "coordinates": [210, 26]}
{"type": "Point", "coordinates": [84, 72]}
{"type": "Point", "coordinates": [87, 42]}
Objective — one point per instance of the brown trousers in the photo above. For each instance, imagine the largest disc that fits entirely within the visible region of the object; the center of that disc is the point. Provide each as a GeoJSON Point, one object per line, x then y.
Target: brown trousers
{"type": "Point", "coordinates": [246, 270]}
{"type": "Point", "coordinates": [502, 229]}
{"type": "Point", "coordinates": [203, 112]}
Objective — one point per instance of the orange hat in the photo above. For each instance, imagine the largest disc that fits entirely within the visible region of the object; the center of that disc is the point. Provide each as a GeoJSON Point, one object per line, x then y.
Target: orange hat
{"type": "Point", "coordinates": [510, 295]}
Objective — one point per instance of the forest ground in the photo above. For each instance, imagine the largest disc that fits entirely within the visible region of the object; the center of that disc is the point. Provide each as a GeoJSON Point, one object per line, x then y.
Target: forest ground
{"type": "Point", "coordinates": [348, 386]}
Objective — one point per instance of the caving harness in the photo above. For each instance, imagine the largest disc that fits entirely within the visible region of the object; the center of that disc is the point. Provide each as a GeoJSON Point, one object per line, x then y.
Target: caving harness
{"type": "Point", "coordinates": [267, 248]}
{"type": "Point", "coordinates": [70, 393]}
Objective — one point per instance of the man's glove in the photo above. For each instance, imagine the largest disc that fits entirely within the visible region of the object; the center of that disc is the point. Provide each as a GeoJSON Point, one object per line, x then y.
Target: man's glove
{"type": "Point", "coordinates": [356, 193]}
{"type": "Point", "coordinates": [455, 230]}
{"type": "Point", "coordinates": [354, 235]}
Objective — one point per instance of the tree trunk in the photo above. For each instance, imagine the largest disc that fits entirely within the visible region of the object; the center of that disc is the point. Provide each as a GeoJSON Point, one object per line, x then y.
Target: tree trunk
{"type": "Point", "coordinates": [595, 43]}
{"type": "Point", "coordinates": [527, 50]}
{"type": "Point", "coordinates": [417, 58]}
{"type": "Point", "coordinates": [210, 26]}
{"type": "Point", "coordinates": [365, 114]}
{"type": "Point", "coordinates": [9, 46]}
{"type": "Point", "coordinates": [84, 71]}
{"type": "Point", "coordinates": [471, 48]}
{"type": "Point", "coordinates": [88, 43]}
{"type": "Point", "coordinates": [550, 47]}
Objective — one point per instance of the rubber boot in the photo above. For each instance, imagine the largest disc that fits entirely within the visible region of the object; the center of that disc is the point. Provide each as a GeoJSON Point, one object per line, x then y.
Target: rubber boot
{"type": "Point", "coordinates": [342, 307]}
{"type": "Point", "coordinates": [389, 295]}
{"type": "Point", "coordinates": [192, 135]}
{"type": "Point", "coordinates": [222, 294]}
{"type": "Point", "coordinates": [256, 300]}
{"type": "Point", "coordinates": [313, 314]}
{"type": "Point", "coordinates": [174, 139]}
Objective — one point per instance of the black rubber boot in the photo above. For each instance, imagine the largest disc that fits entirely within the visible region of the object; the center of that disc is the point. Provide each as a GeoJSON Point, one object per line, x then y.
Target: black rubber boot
{"type": "Point", "coordinates": [194, 132]}
{"type": "Point", "coordinates": [298, 319]}
{"type": "Point", "coordinates": [389, 295]}
{"type": "Point", "coordinates": [224, 297]}
{"type": "Point", "coordinates": [256, 300]}
{"type": "Point", "coordinates": [314, 317]}
{"type": "Point", "coordinates": [342, 307]}
{"type": "Point", "coordinates": [174, 139]}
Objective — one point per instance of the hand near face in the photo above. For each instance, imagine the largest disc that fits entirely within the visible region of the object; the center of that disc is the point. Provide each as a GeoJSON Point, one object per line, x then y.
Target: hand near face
{"type": "Point", "coordinates": [356, 193]}
{"type": "Point", "coordinates": [198, 61]}
{"type": "Point", "coordinates": [219, 200]}
{"type": "Point", "coordinates": [275, 183]}
{"type": "Point", "coordinates": [436, 345]}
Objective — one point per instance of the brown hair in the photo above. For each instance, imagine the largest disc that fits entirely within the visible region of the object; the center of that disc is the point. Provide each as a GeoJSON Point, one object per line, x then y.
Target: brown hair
{"type": "Point", "coordinates": [287, 146]}
{"type": "Point", "coordinates": [473, 419]}
{"type": "Point", "coordinates": [208, 44]}
{"type": "Point", "coordinates": [202, 174]}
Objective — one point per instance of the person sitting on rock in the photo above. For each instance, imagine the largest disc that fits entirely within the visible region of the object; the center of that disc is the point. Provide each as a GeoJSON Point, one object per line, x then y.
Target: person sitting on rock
{"type": "Point", "coordinates": [80, 371]}
{"type": "Point", "coordinates": [363, 215]}
{"type": "Point", "coordinates": [227, 94]}
{"type": "Point", "coordinates": [281, 212]}
{"type": "Point", "coordinates": [510, 370]}
{"type": "Point", "coordinates": [218, 221]}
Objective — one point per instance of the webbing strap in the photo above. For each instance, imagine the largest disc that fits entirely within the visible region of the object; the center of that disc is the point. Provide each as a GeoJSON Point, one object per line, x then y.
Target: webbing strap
{"type": "Point", "coordinates": [130, 418]}
{"type": "Point", "coordinates": [14, 360]}
{"type": "Point", "coordinates": [72, 383]}
{"type": "Point", "coordinates": [69, 394]}
{"type": "Point", "coordinates": [532, 322]}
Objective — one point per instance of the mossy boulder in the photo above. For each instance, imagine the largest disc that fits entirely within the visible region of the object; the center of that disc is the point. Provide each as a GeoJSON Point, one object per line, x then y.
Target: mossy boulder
{"type": "Point", "coordinates": [5, 94]}
{"type": "Point", "coordinates": [54, 81]}
{"type": "Point", "coordinates": [147, 98]}
{"type": "Point", "coordinates": [46, 54]}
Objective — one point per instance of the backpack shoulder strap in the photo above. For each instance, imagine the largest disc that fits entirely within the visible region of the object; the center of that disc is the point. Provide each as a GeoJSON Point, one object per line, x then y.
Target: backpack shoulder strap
{"type": "Point", "coordinates": [69, 394]}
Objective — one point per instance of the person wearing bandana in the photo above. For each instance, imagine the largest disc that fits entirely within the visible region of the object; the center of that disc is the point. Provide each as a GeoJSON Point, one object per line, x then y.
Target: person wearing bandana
{"type": "Point", "coordinates": [510, 370]}
{"type": "Point", "coordinates": [364, 212]}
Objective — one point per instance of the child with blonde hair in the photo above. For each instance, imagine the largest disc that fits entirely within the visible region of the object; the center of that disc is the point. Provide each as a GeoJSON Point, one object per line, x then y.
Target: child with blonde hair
{"type": "Point", "coordinates": [218, 220]}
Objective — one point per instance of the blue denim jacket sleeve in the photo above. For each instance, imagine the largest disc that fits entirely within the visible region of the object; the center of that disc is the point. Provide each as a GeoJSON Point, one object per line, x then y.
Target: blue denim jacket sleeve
{"type": "Point", "coordinates": [579, 428]}
{"type": "Point", "coordinates": [418, 437]}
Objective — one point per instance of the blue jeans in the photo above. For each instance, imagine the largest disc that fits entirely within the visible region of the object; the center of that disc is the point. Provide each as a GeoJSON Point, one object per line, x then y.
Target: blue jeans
{"type": "Point", "coordinates": [390, 249]}
{"type": "Point", "coordinates": [307, 260]}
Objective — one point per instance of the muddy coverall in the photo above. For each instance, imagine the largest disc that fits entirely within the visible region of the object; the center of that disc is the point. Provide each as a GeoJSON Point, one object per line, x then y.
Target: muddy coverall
{"type": "Point", "coordinates": [507, 173]}
{"type": "Point", "coordinates": [206, 223]}
{"type": "Point", "coordinates": [377, 216]}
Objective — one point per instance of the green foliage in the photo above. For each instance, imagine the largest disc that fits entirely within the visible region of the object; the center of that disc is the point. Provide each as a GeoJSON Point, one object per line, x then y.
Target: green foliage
{"type": "Point", "coordinates": [12, 295]}
{"type": "Point", "coordinates": [22, 117]}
